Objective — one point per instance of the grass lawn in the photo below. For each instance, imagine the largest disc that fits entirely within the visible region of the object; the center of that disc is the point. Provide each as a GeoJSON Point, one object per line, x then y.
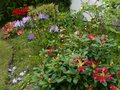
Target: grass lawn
{"type": "Point", "coordinates": [25, 57]}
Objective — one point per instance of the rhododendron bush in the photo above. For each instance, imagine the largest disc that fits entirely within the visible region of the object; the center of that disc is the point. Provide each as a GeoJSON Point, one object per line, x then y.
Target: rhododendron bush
{"type": "Point", "coordinates": [75, 65]}
{"type": "Point", "coordinates": [74, 54]}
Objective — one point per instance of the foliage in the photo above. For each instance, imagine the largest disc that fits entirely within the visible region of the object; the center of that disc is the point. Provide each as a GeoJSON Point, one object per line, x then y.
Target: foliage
{"type": "Point", "coordinates": [7, 6]}
{"type": "Point", "coordinates": [70, 65]}
{"type": "Point", "coordinates": [104, 18]}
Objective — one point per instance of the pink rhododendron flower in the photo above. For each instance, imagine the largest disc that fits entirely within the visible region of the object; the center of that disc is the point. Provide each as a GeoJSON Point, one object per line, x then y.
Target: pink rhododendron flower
{"type": "Point", "coordinates": [81, 68]}
{"type": "Point", "coordinates": [20, 32]}
{"type": "Point", "coordinates": [4, 28]}
{"type": "Point", "coordinates": [97, 70]}
{"type": "Point", "coordinates": [110, 77]}
{"type": "Point", "coordinates": [10, 29]}
{"type": "Point", "coordinates": [91, 37]}
{"type": "Point", "coordinates": [105, 70]}
{"type": "Point", "coordinates": [95, 76]}
{"type": "Point", "coordinates": [112, 87]}
{"type": "Point", "coordinates": [87, 62]}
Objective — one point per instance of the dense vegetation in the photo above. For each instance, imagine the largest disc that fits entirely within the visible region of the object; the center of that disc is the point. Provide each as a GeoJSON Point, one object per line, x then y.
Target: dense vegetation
{"type": "Point", "coordinates": [45, 47]}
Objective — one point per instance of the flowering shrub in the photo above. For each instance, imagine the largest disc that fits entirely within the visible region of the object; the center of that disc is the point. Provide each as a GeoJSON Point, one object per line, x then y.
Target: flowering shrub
{"type": "Point", "coordinates": [75, 64]}
{"type": "Point", "coordinates": [12, 28]}
{"type": "Point", "coordinates": [97, 47]}
{"type": "Point", "coordinates": [20, 11]}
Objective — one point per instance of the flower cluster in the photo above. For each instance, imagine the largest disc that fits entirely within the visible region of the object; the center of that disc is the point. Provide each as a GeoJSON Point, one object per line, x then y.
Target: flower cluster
{"type": "Point", "coordinates": [10, 28]}
{"type": "Point", "coordinates": [20, 11]}
{"type": "Point", "coordinates": [15, 27]}
{"type": "Point", "coordinates": [49, 52]}
{"type": "Point", "coordinates": [102, 75]}
{"type": "Point", "coordinates": [83, 63]}
{"type": "Point", "coordinates": [91, 37]}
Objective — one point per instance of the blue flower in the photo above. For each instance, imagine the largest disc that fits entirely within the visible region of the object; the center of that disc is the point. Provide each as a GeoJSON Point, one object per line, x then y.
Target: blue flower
{"type": "Point", "coordinates": [43, 16]}
{"type": "Point", "coordinates": [31, 36]}
{"type": "Point", "coordinates": [56, 29]}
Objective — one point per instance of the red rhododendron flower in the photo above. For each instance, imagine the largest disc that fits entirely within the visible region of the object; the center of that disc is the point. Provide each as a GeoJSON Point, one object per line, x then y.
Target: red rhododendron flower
{"type": "Point", "coordinates": [102, 79]}
{"type": "Point", "coordinates": [87, 62]}
{"type": "Point", "coordinates": [81, 68]}
{"type": "Point", "coordinates": [73, 63]}
{"type": "Point", "coordinates": [94, 64]}
{"type": "Point", "coordinates": [105, 70]}
{"type": "Point", "coordinates": [49, 52]}
{"type": "Point", "coordinates": [20, 32]}
{"type": "Point", "coordinates": [91, 37]}
{"type": "Point", "coordinates": [97, 70]}
{"type": "Point", "coordinates": [77, 60]}
{"type": "Point", "coordinates": [103, 42]}
{"type": "Point", "coordinates": [112, 87]}
{"type": "Point", "coordinates": [4, 28]}
{"type": "Point", "coordinates": [104, 39]}
{"type": "Point", "coordinates": [110, 77]}
{"type": "Point", "coordinates": [95, 76]}
{"type": "Point", "coordinates": [20, 11]}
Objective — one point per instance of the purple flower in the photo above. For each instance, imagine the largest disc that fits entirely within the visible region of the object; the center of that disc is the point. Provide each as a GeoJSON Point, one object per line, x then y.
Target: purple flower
{"type": "Point", "coordinates": [19, 24]}
{"type": "Point", "coordinates": [25, 19]}
{"type": "Point", "coordinates": [56, 29]}
{"type": "Point", "coordinates": [51, 28]}
{"type": "Point", "coordinates": [43, 16]}
{"type": "Point", "coordinates": [31, 36]}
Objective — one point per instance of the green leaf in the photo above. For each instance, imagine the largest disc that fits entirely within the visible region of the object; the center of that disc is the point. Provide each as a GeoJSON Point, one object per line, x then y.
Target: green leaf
{"type": "Point", "coordinates": [86, 84]}
{"type": "Point", "coordinates": [105, 84]}
{"type": "Point", "coordinates": [75, 80]}
{"type": "Point", "coordinates": [60, 79]}
{"type": "Point", "coordinates": [69, 79]}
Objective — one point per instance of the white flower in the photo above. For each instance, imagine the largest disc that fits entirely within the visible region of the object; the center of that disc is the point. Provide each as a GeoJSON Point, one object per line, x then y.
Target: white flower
{"type": "Point", "coordinates": [14, 81]}
{"type": "Point", "coordinates": [22, 73]}
{"type": "Point", "coordinates": [14, 67]}
{"type": "Point", "coordinates": [12, 70]}
{"type": "Point", "coordinates": [76, 33]}
{"type": "Point", "coordinates": [19, 79]}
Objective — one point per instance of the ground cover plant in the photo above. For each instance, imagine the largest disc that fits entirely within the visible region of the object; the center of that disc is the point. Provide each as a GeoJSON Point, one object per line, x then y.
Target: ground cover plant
{"type": "Point", "coordinates": [53, 49]}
